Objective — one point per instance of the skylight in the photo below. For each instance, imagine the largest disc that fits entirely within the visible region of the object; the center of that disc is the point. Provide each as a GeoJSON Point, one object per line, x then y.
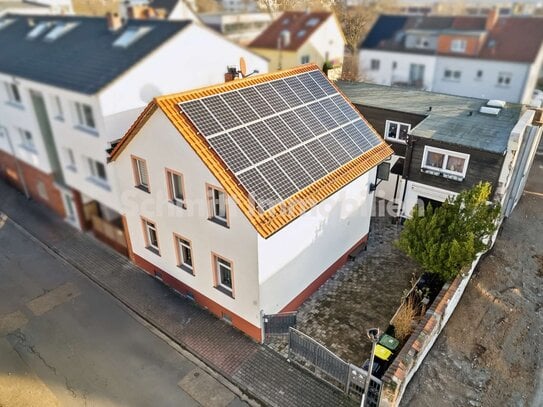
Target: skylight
{"type": "Point", "coordinates": [312, 22]}
{"type": "Point", "coordinates": [5, 22]}
{"type": "Point", "coordinates": [301, 33]}
{"type": "Point", "coordinates": [131, 35]}
{"type": "Point", "coordinates": [38, 30]}
{"type": "Point", "coordinates": [59, 30]}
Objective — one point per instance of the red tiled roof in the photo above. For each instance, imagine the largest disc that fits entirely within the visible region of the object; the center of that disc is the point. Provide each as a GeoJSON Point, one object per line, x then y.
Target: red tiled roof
{"type": "Point", "coordinates": [296, 23]}
{"type": "Point", "coordinates": [469, 23]}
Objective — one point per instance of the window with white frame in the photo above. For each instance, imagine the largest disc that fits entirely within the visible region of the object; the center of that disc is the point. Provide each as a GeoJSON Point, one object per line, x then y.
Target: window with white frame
{"type": "Point", "coordinates": [85, 116]}
{"type": "Point", "coordinates": [14, 95]}
{"type": "Point", "coordinates": [449, 164]}
{"type": "Point", "coordinates": [458, 45]}
{"type": "Point", "coordinates": [141, 176]}
{"type": "Point", "coordinates": [396, 131]}
{"type": "Point", "coordinates": [223, 275]}
{"type": "Point", "coordinates": [97, 170]}
{"type": "Point", "coordinates": [453, 75]}
{"type": "Point", "coordinates": [504, 78]}
{"type": "Point", "coordinates": [217, 201]}
{"type": "Point", "coordinates": [151, 236]}
{"type": "Point", "coordinates": [176, 190]}
{"type": "Point", "coordinates": [184, 254]}
{"type": "Point", "coordinates": [375, 64]}
{"type": "Point", "coordinates": [305, 59]}
{"type": "Point", "coordinates": [27, 141]}
{"type": "Point", "coordinates": [57, 108]}
{"type": "Point", "coordinates": [70, 158]}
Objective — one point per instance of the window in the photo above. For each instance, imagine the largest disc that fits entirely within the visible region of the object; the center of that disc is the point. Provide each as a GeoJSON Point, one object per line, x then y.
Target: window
{"type": "Point", "coordinates": [26, 140]}
{"type": "Point", "coordinates": [449, 164]}
{"type": "Point", "coordinates": [396, 131]}
{"type": "Point", "coordinates": [479, 75]}
{"type": "Point", "coordinates": [504, 79]}
{"type": "Point", "coordinates": [394, 65]}
{"type": "Point", "coordinates": [217, 203]}
{"type": "Point", "coordinates": [38, 30]}
{"type": "Point", "coordinates": [176, 190]}
{"type": "Point", "coordinates": [85, 117]}
{"type": "Point", "coordinates": [223, 275]}
{"type": "Point", "coordinates": [305, 59]}
{"type": "Point", "coordinates": [14, 96]}
{"type": "Point", "coordinates": [59, 30]}
{"type": "Point", "coordinates": [458, 45]}
{"type": "Point", "coordinates": [57, 108]}
{"type": "Point", "coordinates": [141, 176]}
{"type": "Point", "coordinates": [5, 22]}
{"type": "Point", "coordinates": [184, 254]}
{"type": "Point", "coordinates": [97, 170]}
{"type": "Point", "coordinates": [375, 64]}
{"type": "Point", "coordinates": [131, 35]}
{"type": "Point", "coordinates": [150, 236]}
{"type": "Point", "coordinates": [70, 159]}
{"type": "Point", "coordinates": [312, 22]}
{"type": "Point", "coordinates": [422, 42]}
{"type": "Point", "coordinates": [453, 75]}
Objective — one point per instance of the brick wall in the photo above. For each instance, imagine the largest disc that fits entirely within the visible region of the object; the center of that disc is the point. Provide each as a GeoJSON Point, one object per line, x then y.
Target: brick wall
{"type": "Point", "coordinates": [40, 186]}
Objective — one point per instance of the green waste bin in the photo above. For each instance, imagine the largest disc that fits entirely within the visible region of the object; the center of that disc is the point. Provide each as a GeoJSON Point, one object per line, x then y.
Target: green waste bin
{"type": "Point", "coordinates": [389, 342]}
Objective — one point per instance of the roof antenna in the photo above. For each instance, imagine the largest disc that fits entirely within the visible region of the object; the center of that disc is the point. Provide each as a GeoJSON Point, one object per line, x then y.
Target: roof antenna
{"type": "Point", "coordinates": [232, 72]}
{"type": "Point", "coordinates": [429, 108]}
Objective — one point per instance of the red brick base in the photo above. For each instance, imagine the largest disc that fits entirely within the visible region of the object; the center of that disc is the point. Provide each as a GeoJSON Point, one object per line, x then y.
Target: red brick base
{"type": "Point", "coordinates": [33, 177]}
{"type": "Point", "coordinates": [320, 280]}
{"type": "Point", "coordinates": [238, 322]}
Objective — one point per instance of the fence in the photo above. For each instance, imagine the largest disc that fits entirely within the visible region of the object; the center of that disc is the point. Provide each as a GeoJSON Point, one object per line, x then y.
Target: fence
{"type": "Point", "coordinates": [314, 357]}
{"type": "Point", "coordinates": [278, 324]}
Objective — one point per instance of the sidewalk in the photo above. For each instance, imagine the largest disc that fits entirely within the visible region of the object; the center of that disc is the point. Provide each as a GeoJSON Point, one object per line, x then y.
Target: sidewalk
{"type": "Point", "coordinates": [256, 370]}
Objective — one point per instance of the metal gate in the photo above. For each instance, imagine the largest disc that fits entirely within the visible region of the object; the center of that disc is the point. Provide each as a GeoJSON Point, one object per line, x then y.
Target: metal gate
{"type": "Point", "coordinates": [316, 358]}
{"type": "Point", "coordinates": [278, 324]}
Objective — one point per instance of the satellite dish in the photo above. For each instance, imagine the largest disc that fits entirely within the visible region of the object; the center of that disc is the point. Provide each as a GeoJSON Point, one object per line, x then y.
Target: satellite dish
{"type": "Point", "coordinates": [242, 67]}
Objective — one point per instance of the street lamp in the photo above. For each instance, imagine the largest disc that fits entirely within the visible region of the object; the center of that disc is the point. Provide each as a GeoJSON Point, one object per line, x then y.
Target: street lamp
{"type": "Point", "coordinates": [4, 130]}
{"type": "Point", "coordinates": [373, 335]}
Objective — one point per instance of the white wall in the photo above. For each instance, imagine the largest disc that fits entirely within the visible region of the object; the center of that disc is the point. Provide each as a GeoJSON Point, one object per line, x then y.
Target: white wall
{"type": "Point", "coordinates": [386, 75]}
{"type": "Point", "coordinates": [326, 40]}
{"type": "Point", "coordinates": [194, 58]}
{"type": "Point", "coordinates": [485, 88]}
{"type": "Point", "coordinates": [161, 145]}
{"type": "Point", "coordinates": [291, 259]}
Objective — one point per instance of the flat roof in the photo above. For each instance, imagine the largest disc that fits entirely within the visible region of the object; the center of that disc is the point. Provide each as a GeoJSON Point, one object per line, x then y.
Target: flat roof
{"type": "Point", "coordinates": [449, 119]}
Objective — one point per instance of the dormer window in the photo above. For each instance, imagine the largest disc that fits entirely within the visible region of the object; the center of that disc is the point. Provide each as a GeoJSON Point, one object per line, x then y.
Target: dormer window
{"type": "Point", "coordinates": [38, 30]}
{"type": "Point", "coordinates": [301, 33]}
{"type": "Point", "coordinates": [458, 45]}
{"type": "Point", "coordinates": [59, 30]}
{"type": "Point", "coordinates": [445, 163]}
{"type": "Point", "coordinates": [130, 36]}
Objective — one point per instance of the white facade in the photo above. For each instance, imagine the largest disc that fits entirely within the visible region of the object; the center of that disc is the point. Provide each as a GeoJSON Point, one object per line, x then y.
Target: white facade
{"type": "Point", "coordinates": [395, 67]}
{"type": "Point", "coordinates": [267, 273]}
{"type": "Point", "coordinates": [241, 28]}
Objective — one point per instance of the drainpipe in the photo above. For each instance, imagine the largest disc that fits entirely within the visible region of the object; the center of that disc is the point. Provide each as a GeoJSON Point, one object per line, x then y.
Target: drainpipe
{"type": "Point", "coordinates": [5, 131]}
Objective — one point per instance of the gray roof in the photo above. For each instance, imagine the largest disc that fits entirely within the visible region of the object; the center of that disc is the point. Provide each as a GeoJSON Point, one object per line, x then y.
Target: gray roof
{"type": "Point", "coordinates": [449, 120]}
{"type": "Point", "coordinates": [84, 59]}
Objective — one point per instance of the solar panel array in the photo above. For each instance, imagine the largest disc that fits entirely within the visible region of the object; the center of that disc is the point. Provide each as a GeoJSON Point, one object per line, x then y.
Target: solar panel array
{"type": "Point", "coordinates": [280, 136]}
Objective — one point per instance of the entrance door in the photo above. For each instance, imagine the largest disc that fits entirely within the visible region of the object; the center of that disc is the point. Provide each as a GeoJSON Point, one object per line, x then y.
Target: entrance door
{"type": "Point", "coordinates": [416, 75]}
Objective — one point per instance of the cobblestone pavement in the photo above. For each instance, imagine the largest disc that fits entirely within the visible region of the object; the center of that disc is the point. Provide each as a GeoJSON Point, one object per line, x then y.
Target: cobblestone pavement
{"type": "Point", "coordinates": [364, 293]}
{"type": "Point", "coordinates": [256, 370]}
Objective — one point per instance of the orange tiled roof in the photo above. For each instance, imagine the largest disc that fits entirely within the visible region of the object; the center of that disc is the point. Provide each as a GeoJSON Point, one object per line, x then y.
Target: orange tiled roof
{"type": "Point", "coordinates": [268, 222]}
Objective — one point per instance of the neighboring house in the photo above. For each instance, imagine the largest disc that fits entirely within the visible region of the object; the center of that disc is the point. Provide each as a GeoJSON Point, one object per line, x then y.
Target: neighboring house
{"type": "Point", "coordinates": [166, 9]}
{"type": "Point", "coordinates": [238, 27]}
{"type": "Point", "coordinates": [239, 6]}
{"type": "Point", "coordinates": [36, 7]}
{"type": "Point", "coordinates": [69, 86]}
{"type": "Point", "coordinates": [444, 144]}
{"type": "Point", "coordinates": [248, 195]}
{"type": "Point", "coordinates": [298, 37]}
{"type": "Point", "coordinates": [488, 57]}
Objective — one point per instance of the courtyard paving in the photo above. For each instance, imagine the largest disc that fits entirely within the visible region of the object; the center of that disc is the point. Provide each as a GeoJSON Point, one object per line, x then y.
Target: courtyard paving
{"type": "Point", "coordinates": [364, 293]}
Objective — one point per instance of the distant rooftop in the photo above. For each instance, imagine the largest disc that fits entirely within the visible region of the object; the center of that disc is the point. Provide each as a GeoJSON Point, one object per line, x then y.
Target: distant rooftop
{"type": "Point", "coordinates": [448, 121]}
{"type": "Point", "coordinates": [84, 56]}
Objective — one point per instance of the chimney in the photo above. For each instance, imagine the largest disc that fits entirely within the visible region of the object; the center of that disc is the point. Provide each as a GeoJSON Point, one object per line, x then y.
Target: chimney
{"type": "Point", "coordinates": [231, 73]}
{"type": "Point", "coordinates": [492, 18]}
{"type": "Point", "coordinates": [114, 21]}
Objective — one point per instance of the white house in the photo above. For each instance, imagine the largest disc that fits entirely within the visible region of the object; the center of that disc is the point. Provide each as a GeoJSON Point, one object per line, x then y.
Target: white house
{"type": "Point", "coordinates": [248, 195]}
{"type": "Point", "coordinates": [298, 37]}
{"type": "Point", "coordinates": [93, 78]}
{"type": "Point", "coordinates": [238, 27]}
{"type": "Point", "coordinates": [489, 57]}
{"type": "Point", "coordinates": [36, 7]}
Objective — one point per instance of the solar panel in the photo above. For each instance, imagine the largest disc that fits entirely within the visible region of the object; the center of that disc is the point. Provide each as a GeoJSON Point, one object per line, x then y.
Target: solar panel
{"type": "Point", "coordinates": [268, 140]}
{"type": "Point", "coordinates": [280, 136]}
{"type": "Point", "coordinates": [200, 116]}
{"type": "Point", "coordinates": [263, 194]}
{"type": "Point", "coordinates": [225, 147]}
{"type": "Point", "coordinates": [222, 112]}
{"type": "Point", "coordinates": [249, 144]}
{"type": "Point", "coordinates": [277, 178]}
{"type": "Point", "coordinates": [240, 107]}
{"type": "Point", "coordinates": [256, 101]}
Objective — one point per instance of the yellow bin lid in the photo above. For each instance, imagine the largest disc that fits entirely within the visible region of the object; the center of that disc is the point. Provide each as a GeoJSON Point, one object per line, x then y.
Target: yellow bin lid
{"type": "Point", "coordinates": [382, 353]}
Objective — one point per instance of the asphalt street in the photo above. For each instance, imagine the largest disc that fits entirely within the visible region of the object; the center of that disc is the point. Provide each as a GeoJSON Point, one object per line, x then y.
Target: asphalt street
{"type": "Point", "coordinates": [65, 342]}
